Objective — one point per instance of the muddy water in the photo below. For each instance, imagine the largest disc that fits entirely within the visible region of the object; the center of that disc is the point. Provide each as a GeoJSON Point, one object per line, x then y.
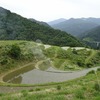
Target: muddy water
{"type": "Point", "coordinates": [15, 76]}
{"type": "Point", "coordinates": [30, 75]}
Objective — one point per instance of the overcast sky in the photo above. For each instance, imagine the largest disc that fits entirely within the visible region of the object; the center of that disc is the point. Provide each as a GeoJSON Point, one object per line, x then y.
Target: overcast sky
{"type": "Point", "coordinates": [48, 10]}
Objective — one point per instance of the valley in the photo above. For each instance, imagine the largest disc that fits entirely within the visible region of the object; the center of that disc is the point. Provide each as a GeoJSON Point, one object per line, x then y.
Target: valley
{"type": "Point", "coordinates": [85, 29]}
{"type": "Point", "coordinates": [58, 60]}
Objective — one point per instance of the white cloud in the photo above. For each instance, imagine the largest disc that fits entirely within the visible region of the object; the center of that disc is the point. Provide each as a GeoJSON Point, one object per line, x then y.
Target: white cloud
{"type": "Point", "coordinates": [52, 9]}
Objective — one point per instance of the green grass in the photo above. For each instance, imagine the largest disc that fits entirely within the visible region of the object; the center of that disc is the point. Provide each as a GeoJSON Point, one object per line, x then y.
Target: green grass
{"type": "Point", "coordinates": [72, 59]}
{"type": "Point", "coordinates": [85, 88]}
{"type": "Point", "coordinates": [69, 59]}
{"type": "Point", "coordinates": [30, 51]}
{"type": "Point", "coordinates": [78, 89]}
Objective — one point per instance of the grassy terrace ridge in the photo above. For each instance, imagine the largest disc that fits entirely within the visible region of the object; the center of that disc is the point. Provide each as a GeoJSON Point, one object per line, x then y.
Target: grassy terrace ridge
{"type": "Point", "coordinates": [66, 59]}
{"type": "Point", "coordinates": [84, 88]}
{"type": "Point", "coordinates": [20, 53]}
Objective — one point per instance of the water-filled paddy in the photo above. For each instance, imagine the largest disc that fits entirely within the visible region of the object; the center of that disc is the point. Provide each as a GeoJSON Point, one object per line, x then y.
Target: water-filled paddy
{"type": "Point", "coordinates": [30, 75]}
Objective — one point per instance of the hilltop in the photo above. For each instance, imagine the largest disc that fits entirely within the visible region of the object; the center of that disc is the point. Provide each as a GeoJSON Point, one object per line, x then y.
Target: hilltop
{"type": "Point", "coordinates": [15, 27]}
{"type": "Point", "coordinates": [39, 22]}
{"type": "Point", "coordinates": [77, 26]}
{"type": "Point", "coordinates": [57, 21]}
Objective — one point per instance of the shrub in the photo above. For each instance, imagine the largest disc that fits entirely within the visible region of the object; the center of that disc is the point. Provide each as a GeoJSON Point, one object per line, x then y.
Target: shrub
{"type": "Point", "coordinates": [89, 64]}
{"type": "Point", "coordinates": [74, 51]}
{"type": "Point", "coordinates": [97, 86]}
{"type": "Point", "coordinates": [31, 90]}
{"type": "Point", "coordinates": [79, 94]}
{"type": "Point", "coordinates": [24, 92]}
{"type": "Point", "coordinates": [58, 87]}
{"type": "Point", "coordinates": [1, 94]}
{"type": "Point", "coordinates": [4, 61]}
{"type": "Point", "coordinates": [98, 69]}
{"type": "Point", "coordinates": [91, 72]}
{"type": "Point", "coordinates": [15, 51]}
{"type": "Point", "coordinates": [37, 89]}
{"type": "Point", "coordinates": [80, 62]}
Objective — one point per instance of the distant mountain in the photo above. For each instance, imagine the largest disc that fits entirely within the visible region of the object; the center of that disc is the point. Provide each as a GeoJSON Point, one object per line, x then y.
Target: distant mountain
{"type": "Point", "coordinates": [15, 27]}
{"type": "Point", "coordinates": [92, 37]}
{"type": "Point", "coordinates": [57, 21]}
{"type": "Point", "coordinates": [94, 20]}
{"type": "Point", "coordinates": [77, 26]}
{"type": "Point", "coordinates": [39, 22]}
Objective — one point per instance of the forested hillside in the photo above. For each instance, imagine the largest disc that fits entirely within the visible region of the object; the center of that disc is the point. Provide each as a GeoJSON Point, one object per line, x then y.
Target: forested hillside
{"type": "Point", "coordinates": [92, 37]}
{"type": "Point", "coordinates": [15, 27]}
{"type": "Point", "coordinates": [39, 22]}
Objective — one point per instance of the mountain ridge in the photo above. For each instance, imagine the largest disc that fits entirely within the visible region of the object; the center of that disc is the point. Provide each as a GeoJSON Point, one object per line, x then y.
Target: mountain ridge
{"type": "Point", "coordinates": [39, 22]}
{"type": "Point", "coordinates": [56, 21]}
{"type": "Point", "coordinates": [76, 26]}
{"type": "Point", "coordinates": [15, 27]}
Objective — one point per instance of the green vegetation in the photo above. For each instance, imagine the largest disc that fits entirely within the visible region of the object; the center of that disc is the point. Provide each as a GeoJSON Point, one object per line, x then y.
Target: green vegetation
{"type": "Point", "coordinates": [86, 29]}
{"type": "Point", "coordinates": [91, 72]}
{"type": "Point", "coordinates": [84, 88]}
{"type": "Point", "coordinates": [14, 54]}
{"type": "Point", "coordinates": [15, 27]}
{"type": "Point", "coordinates": [72, 59]}
{"type": "Point", "coordinates": [58, 87]}
{"type": "Point", "coordinates": [92, 37]}
{"type": "Point", "coordinates": [19, 53]}
{"type": "Point", "coordinates": [97, 87]}
{"type": "Point", "coordinates": [24, 93]}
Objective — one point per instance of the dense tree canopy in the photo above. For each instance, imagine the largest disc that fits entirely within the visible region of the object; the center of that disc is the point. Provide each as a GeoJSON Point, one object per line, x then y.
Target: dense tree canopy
{"type": "Point", "coordinates": [15, 27]}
